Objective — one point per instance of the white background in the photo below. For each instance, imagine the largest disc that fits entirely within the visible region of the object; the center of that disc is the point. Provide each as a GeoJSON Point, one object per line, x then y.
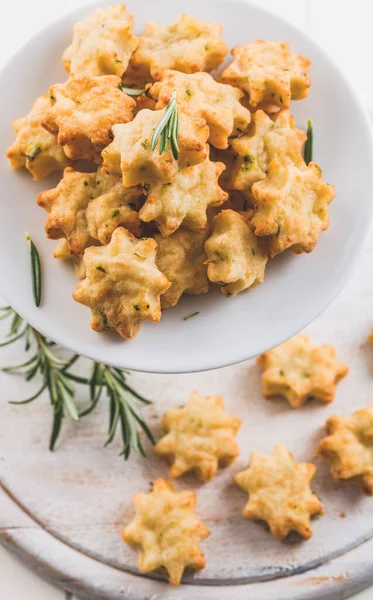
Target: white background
{"type": "Point", "coordinates": [343, 27]}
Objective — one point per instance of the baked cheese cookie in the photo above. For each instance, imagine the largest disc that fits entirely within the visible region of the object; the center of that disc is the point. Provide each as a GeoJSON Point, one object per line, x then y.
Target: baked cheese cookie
{"type": "Point", "coordinates": [200, 95]}
{"type": "Point", "coordinates": [299, 371]}
{"type": "Point", "coordinates": [36, 148]}
{"type": "Point", "coordinates": [199, 437]}
{"type": "Point", "coordinates": [166, 531]}
{"type": "Point", "coordinates": [348, 448]}
{"type": "Point", "coordinates": [236, 257]}
{"type": "Point", "coordinates": [85, 208]}
{"type": "Point", "coordinates": [130, 152]}
{"type": "Point", "coordinates": [185, 199]}
{"type": "Point", "coordinates": [187, 45]}
{"type": "Point", "coordinates": [269, 73]}
{"type": "Point", "coordinates": [267, 138]}
{"type": "Point", "coordinates": [181, 257]}
{"type": "Point", "coordinates": [279, 492]}
{"type": "Point", "coordinates": [291, 207]}
{"type": "Point", "coordinates": [102, 43]}
{"type": "Point", "coordinates": [83, 111]}
{"type": "Point", "coordinates": [123, 285]}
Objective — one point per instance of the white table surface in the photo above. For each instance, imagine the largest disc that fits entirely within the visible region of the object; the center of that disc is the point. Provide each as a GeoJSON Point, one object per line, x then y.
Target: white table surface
{"type": "Point", "coordinates": [343, 27]}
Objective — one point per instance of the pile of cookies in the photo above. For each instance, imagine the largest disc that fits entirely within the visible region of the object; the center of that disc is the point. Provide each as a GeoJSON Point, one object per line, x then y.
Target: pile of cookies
{"type": "Point", "coordinates": [200, 437]}
{"type": "Point", "coordinates": [152, 223]}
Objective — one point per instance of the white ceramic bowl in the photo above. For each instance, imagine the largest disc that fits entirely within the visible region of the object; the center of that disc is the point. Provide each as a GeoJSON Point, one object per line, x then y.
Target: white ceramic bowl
{"type": "Point", "coordinates": [226, 331]}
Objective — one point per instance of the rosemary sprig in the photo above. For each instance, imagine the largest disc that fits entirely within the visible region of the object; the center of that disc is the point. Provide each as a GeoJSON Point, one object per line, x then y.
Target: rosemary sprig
{"type": "Point", "coordinates": [35, 270]}
{"type": "Point", "coordinates": [123, 408]}
{"type": "Point", "coordinates": [167, 129]}
{"type": "Point", "coordinates": [58, 381]}
{"type": "Point", "coordinates": [131, 91]}
{"type": "Point", "coordinates": [308, 147]}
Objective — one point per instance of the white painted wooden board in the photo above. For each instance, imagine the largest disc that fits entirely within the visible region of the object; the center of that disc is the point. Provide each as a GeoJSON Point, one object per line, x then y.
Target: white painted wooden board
{"type": "Point", "coordinates": [322, 14]}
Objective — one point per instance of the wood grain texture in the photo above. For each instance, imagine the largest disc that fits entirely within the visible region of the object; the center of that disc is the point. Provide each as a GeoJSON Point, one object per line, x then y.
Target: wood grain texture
{"type": "Point", "coordinates": [80, 496]}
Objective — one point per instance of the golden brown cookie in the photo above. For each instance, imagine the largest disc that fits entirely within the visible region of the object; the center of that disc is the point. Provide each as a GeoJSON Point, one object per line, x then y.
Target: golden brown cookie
{"type": "Point", "coordinates": [130, 152]}
{"type": "Point", "coordinates": [85, 208]}
{"type": "Point", "coordinates": [267, 138]}
{"type": "Point", "coordinates": [291, 207]}
{"type": "Point", "coordinates": [102, 43]}
{"type": "Point", "coordinates": [236, 257]}
{"type": "Point", "coordinates": [348, 448]}
{"type": "Point", "coordinates": [187, 45]}
{"type": "Point", "coordinates": [200, 95]}
{"type": "Point", "coordinates": [185, 199]}
{"type": "Point", "coordinates": [83, 111]}
{"type": "Point", "coordinates": [181, 257]}
{"type": "Point", "coordinates": [279, 492]}
{"type": "Point", "coordinates": [299, 371]}
{"type": "Point", "coordinates": [36, 148]}
{"type": "Point", "coordinates": [199, 437]}
{"type": "Point", "coordinates": [166, 531]}
{"type": "Point", "coordinates": [269, 73]}
{"type": "Point", "coordinates": [123, 285]}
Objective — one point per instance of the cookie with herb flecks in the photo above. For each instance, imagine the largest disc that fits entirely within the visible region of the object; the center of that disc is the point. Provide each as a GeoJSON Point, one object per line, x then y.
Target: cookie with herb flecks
{"type": "Point", "coordinates": [270, 73]}
{"type": "Point", "coordinates": [199, 437]}
{"type": "Point", "coordinates": [200, 95]}
{"type": "Point", "coordinates": [236, 257]}
{"type": "Point", "coordinates": [35, 148]}
{"type": "Point", "coordinates": [185, 199]}
{"type": "Point", "coordinates": [181, 257]}
{"type": "Point", "coordinates": [83, 111]}
{"type": "Point", "coordinates": [266, 138]}
{"type": "Point", "coordinates": [85, 208]}
{"type": "Point", "coordinates": [166, 531]}
{"type": "Point", "coordinates": [102, 43]}
{"type": "Point", "coordinates": [131, 154]}
{"type": "Point", "coordinates": [348, 448]}
{"type": "Point", "coordinates": [279, 492]}
{"type": "Point", "coordinates": [187, 45]}
{"type": "Point", "coordinates": [298, 370]}
{"type": "Point", "coordinates": [291, 207]}
{"type": "Point", "coordinates": [123, 284]}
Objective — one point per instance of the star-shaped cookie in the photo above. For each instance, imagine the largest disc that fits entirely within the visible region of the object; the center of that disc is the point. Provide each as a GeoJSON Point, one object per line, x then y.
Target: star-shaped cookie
{"type": "Point", "coordinates": [298, 370]}
{"type": "Point", "coordinates": [279, 492]}
{"type": "Point", "coordinates": [269, 73]}
{"type": "Point", "coordinates": [123, 284]}
{"type": "Point", "coordinates": [83, 111]}
{"type": "Point", "coordinates": [166, 531]}
{"type": "Point", "coordinates": [348, 448]}
{"type": "Point", "coordinates": [199, 437]}
{"type": "Point", "coordinates": [291, 207]}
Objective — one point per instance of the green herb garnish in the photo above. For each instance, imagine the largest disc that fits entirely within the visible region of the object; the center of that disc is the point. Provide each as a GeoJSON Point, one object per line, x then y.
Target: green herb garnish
{"type": "Point", "coordinates": [131, 91]}
{"type": "Point", "coordinates": [33, 152]}
{"type": "Point", "coordinates": [35, 270]}
{"type": "Point", "coordinates": [99, 268]}
{"type": "Point", "coordinates": [308, 147]}
{"type": "Point", "coordinates": [59, 382]}
{"type": "Point", "coordinates": [191, 316]}
{"type": "Point", "coordinates": [116, 213]}
{"type": "Point", "coordinates": [167, 129]}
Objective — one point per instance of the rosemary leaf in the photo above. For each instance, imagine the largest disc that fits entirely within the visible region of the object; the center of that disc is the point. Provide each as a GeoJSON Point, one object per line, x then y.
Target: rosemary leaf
{"type": "Point", "coordinates": [308, 147]}
{"type": "Point", "coordinates": [167, 129]}
{"type": "Point", "coordinates": [191, 316]}
{"type": "Point", "coordinates": [58, 382]}
{"type": "Point", "coordinates": [35, 270]}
